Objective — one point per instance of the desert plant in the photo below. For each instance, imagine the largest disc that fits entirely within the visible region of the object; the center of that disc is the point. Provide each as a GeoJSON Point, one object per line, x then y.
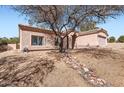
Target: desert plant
{"type": "Point", "coordinates": [121, 39]}
{"type": "Point", "coordinates": [6, 40]}
{"type": "Point", "coordinates": [13, 40]}
{"type": "Point", "coordinates": [111, 39]}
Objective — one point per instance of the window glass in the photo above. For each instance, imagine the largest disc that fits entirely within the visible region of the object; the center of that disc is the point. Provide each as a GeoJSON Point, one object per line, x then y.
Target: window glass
{"type": "Point", "coordinates": [37, 40]}
{"type": "Point", "coordinates": [40, 41]}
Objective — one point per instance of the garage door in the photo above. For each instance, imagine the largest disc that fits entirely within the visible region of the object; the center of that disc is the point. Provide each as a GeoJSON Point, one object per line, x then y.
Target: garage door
{"type": "Point", "coordinates": [102, 41]}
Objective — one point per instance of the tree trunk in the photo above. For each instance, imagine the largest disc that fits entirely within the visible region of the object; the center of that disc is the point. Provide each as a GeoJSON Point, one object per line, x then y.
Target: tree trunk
{"type": "Point", "coordinates": [67, 42]}
{"type": "Point", "coordinates": [61, 45]}
{"type": "Point", "coordinates": [73, 40]}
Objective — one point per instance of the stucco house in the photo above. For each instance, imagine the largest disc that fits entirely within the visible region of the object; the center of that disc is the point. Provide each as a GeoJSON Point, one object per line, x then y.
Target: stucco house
{"type": "Point", "coordinates": [37, 39]}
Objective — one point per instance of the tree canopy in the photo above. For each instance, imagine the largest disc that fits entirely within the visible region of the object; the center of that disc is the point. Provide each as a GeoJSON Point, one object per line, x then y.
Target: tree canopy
{"type": "Point", "coordinates": [121, 39]}
{"type": "Point", "coordinates": [88, 26]}
{"type": "Point", "coordinates": [13, 40]}
{"type": "Point", "coordinates": [111, 39]}
{"type": "Point", "coordinates": [65, 19]}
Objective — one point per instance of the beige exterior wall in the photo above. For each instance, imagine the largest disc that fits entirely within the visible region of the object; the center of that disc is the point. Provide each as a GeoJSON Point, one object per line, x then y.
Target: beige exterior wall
{"type": "Point", "coordinates": [104, 35]}
{"type": "Point", "coordinates": [25, 40]}
{"type": "Point", "coordinates": [85, 40]}
{"type": "Point", "coordinates": [49, 40]}
{"type": "Point", "coordinates": [91, 40]}
{"type": "Point", "coordinates": [13, 46]}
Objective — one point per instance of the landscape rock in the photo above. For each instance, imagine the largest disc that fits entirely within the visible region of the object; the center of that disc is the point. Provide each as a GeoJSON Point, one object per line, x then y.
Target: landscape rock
{"type": "Point", "coordinates": [87, 73]}
{"type": "Point", "coordinates": [85, 69]}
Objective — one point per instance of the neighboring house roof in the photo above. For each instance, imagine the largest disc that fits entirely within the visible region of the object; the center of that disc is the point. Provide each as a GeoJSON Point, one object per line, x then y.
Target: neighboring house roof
{"type": "Point", "coordinates": [94, 31]}
{"type": "Point", "coordinates": [34, 29]}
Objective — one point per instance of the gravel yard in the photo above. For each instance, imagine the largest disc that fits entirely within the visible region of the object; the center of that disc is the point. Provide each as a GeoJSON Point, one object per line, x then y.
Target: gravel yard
{"type": "Point", "coordinates": [38, 68]}
{"type": "Point", "coordinates": [44, 68]}
{"type": "Point", "coordinates": [108, 64]}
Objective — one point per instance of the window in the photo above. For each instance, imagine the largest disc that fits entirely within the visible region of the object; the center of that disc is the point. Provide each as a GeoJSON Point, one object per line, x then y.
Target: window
{"type": "Point", "coordinates": [36, 40]}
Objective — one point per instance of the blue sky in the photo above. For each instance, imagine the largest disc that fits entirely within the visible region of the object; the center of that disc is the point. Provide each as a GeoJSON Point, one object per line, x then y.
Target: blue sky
{"type": "Point", "coordinates": [10, 19]}
{"type": "Point", "coordinates": [115, 27]}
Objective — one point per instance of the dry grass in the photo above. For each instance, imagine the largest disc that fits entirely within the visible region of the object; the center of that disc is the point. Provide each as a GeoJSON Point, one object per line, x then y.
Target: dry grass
{"type": "Point", "coordinates": [109, 64]}
{"type": "Point", "coordinates": [39, 68]}
{"type": "Point", "coordinates": [63, 76]}
{"type": "Point", "coordinates": [21, 69]}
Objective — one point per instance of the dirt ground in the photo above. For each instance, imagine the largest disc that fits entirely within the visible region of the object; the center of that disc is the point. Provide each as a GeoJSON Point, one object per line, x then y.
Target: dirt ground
{"type": "Point", "coordinates": [108, 64]}
{"type": "Point", "coordinates": [35, 68]}
{"type": "Point", "coordinates": [63, 76]}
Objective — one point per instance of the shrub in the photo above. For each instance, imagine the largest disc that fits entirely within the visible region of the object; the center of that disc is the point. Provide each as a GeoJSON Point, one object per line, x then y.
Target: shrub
{"type": "Point", "coordinates": [111, 39]}
{"type": "Point", "coordinates": [3, 48]}
{"type": "Point", "coordinates": [121, 39]}
{"type": "Point", "coordinates": [13, 40]}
